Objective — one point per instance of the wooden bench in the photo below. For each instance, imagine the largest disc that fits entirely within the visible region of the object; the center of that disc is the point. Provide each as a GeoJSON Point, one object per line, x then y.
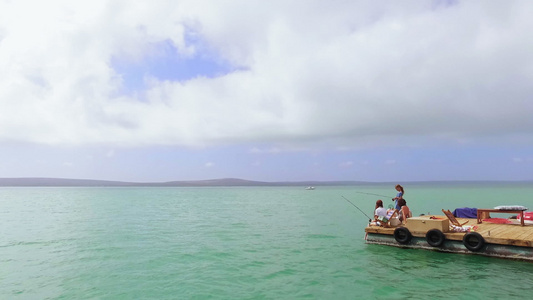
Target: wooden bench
{"type": "Point", "coordinates": [480, 211]}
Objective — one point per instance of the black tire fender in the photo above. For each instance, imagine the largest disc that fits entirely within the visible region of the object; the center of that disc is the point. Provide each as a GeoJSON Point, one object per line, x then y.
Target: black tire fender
{"type": "Point", "coordinates": [402, 235]}
{"type": "Point", "coordinates": [435, 238]}
{"type": "Point", "coordinates": [473, 241]}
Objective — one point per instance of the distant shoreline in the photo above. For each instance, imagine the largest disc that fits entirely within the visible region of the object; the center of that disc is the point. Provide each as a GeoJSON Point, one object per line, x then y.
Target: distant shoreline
{"type": "Point", "coordinates": [228, 182]}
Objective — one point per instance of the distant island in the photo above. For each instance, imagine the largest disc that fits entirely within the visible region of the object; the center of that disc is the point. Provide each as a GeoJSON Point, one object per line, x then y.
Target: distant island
{"type": "Point", "coordinates": [189, 183]}
{"type": "Point", "coordinates": [63, 182]}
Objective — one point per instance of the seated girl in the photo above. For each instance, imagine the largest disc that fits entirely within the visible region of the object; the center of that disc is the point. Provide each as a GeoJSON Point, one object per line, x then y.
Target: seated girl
{"type": "Point", "coordinates": [405, 212]}
{"type": "Point", "coordinates": [380, 212]}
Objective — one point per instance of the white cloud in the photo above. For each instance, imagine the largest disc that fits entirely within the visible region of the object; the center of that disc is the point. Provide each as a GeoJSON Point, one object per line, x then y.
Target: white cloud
{"type": "Point", "coordinates": [306, 72]}
{"type": "Point", "coordinates": [271, 150]}
{"type": "Point", "coordinates": [209, 164]}
{"type": "Point", "coordinates": [523, 159]}
{"type": "Point", "coordinates": [346, 164]}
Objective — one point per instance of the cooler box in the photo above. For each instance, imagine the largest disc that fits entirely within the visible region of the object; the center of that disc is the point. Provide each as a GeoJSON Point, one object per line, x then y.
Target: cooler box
{"type": "Point", "coordinates": [425, 223]}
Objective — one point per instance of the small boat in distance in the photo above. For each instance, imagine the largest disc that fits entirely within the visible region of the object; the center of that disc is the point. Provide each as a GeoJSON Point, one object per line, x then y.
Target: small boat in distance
{"type": "Point", "coordinates": [310, 188]}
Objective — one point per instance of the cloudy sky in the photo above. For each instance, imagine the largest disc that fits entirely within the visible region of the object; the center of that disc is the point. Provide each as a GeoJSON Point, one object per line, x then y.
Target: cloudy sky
{"type": "Point", "coordinates": [266, 90]}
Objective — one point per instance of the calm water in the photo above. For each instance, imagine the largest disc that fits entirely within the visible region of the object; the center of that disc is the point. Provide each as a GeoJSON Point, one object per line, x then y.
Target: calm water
{"type": "Point", "coordinates": [237, 243]}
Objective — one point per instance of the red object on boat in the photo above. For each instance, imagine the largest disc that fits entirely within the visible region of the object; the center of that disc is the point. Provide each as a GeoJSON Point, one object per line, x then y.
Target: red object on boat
{"type": "Point", "coordinates": [528, 216]}
{"type": "Point", "coordinates": [498, 220]}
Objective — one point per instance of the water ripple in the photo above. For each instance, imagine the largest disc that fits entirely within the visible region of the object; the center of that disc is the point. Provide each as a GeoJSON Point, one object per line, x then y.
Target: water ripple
{"type": "Point", "coordinates": [219, 243]}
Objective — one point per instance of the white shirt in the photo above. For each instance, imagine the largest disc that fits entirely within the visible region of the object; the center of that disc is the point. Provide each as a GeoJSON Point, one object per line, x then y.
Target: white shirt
{"type": "Point", "coordinates": [380, 212]}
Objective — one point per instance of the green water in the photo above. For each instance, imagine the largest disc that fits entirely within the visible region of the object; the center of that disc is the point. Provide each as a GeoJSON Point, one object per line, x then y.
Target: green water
{"type": "Point", "coordinates": [238, 243]}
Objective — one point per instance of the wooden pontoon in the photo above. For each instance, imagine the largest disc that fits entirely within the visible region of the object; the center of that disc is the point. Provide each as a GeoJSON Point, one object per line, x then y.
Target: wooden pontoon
{"type": "Point", "coordinates": [513, 241]}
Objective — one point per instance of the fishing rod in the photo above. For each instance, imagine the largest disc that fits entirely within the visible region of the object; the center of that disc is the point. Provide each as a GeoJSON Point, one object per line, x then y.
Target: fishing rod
{"type": "Point", "coordinates": [369, 218]}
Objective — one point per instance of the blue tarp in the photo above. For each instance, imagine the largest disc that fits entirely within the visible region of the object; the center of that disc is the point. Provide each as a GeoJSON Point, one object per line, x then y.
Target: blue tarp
{"type": "Point", "coordinates": [465, 212]}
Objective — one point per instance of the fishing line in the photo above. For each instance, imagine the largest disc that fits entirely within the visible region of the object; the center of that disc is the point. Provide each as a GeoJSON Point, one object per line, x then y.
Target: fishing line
{"type": "Point", "coordinates": [373, 194]}
{"type": "Point", "coordinates": [369, 218]}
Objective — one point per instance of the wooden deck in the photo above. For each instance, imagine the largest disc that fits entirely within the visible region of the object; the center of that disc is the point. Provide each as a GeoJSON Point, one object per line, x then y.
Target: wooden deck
{"type": "Point", "coordinates": [502, 234]}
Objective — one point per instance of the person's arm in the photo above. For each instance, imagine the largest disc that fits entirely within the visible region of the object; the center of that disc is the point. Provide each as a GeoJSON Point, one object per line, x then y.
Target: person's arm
{"type": "Point", "coordinates": [405, 214]}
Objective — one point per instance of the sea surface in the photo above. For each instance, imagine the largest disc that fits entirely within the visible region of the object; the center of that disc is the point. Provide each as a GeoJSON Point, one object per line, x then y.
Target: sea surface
{"type": "Point", "coordinates": [239, 243]}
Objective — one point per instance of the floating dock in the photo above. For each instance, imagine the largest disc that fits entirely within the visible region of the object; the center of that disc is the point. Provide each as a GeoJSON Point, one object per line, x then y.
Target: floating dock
{"type": "Point", "coordinates": [512, 241]}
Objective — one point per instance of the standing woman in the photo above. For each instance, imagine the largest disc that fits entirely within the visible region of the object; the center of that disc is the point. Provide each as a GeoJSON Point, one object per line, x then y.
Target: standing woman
{"type": "Point", "coordinates": [399, 196]}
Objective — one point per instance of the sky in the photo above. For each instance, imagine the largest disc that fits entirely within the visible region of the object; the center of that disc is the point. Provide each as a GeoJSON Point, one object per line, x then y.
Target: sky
{"type": "Point", "coordinates": [151, 91]}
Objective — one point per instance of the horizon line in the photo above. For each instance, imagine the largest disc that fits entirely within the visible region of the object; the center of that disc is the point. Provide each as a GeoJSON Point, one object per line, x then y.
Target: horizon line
{"type": "Point", "coordinates": [52, 181]}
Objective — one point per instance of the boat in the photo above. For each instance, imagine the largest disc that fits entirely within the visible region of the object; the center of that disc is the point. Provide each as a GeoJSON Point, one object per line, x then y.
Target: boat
{"type": "Point", "coordinates": [494, 237]}
{"type": "Point", "coordinates": [310, 188]}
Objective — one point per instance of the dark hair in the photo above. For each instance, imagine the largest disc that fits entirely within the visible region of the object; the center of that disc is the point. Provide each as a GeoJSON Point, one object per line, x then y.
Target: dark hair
{"type": "Point", "coordinates": [401, 188]}
{"type": "Point", "coordinates": [379, 203]}
{"type": "Point", "coordinates": [402, 202]}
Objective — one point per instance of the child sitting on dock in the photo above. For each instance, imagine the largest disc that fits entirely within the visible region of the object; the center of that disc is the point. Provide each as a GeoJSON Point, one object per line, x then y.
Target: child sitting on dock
{"type": "Point", "coordinates": [405, 212]}
{"type": "Point", "coordinates": [380, 212]}
{"type": "Point", "coordinates": [384, 217]}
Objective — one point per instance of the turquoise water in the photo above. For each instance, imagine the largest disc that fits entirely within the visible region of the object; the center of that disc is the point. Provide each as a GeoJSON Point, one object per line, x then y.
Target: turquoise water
{"type": "Point", "coordinates": [238, 243]}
